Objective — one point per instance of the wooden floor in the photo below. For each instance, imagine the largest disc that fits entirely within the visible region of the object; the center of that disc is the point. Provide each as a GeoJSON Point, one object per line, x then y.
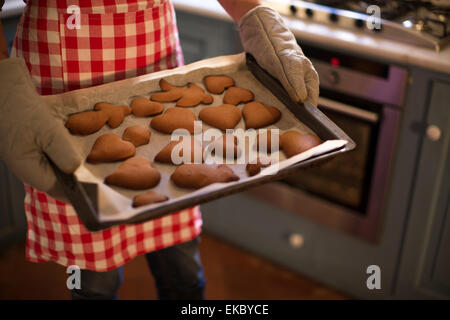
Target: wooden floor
{"type": "Point", "coordinates": [231, 274]}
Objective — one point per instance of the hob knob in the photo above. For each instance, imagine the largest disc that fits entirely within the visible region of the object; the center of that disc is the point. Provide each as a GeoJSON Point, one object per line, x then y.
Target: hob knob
{"type": "Point", "coordinates": [333, 77]}
{"type": "Point", "coordinates": [433, 132]}
{"type": "Point", "coordinates": [296, 240]}
{"type": "Point", "coordinates": [293, 9]}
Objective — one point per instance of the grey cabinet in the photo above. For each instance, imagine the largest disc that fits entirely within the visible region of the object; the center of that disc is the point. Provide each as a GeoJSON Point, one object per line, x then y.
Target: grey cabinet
{"type": "Point", "coordinates": [202, 37]}
{"type": "Point", "coordinates": [425, 265]}
{"type": "Point", "coordinates": [414, 248]}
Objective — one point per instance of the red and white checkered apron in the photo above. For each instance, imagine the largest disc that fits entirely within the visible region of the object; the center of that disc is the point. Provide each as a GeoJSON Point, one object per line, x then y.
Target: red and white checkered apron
{"type": "Point", "coordinates": [117, 39]}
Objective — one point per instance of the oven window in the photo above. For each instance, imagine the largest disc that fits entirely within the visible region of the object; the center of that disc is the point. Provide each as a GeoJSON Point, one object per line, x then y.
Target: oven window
{"type": "Point", "coordinates": [345, 179]}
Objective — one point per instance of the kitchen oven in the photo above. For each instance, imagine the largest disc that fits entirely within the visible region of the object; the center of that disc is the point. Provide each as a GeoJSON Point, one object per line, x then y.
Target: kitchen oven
{"type": "Point", "coordinates": [364, 98]}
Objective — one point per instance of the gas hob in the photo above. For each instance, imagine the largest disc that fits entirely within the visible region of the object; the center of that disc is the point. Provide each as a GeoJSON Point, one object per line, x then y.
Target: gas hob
{"type": "Point", "coordinates": [423, 23]}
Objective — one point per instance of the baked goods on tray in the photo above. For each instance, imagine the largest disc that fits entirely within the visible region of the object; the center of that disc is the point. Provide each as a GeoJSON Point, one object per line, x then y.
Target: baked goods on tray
{"type": "Point", "coordinates": [118, 144]}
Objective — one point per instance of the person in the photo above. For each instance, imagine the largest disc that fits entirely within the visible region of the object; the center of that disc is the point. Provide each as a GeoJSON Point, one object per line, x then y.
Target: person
{"type": "Point", "coordinates": [116, 39]}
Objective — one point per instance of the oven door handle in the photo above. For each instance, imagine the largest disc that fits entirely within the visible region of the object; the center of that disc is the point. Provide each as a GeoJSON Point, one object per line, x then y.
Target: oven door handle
{"type": "Point", "coordinates": [348, 110]}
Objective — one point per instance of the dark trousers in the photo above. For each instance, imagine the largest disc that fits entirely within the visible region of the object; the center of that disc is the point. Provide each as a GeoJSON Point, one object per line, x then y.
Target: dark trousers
{"type": "Point", "coordinates": [177, 271]}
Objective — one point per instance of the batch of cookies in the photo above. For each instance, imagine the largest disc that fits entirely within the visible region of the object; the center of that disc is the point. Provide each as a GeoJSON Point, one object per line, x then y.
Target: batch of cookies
{"type": "Point", "coordinates": [137, 173]}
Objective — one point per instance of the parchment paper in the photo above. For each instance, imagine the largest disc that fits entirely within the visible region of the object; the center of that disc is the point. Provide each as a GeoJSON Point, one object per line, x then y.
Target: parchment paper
{"type": "Point", "coordinates": [114, 203]}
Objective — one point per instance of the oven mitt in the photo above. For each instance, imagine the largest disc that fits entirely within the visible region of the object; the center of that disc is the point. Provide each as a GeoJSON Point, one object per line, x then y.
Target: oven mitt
{"type": "Point", "coordinates": [28, 130]}
{"type": "Point", "coordinates": [265, 35]}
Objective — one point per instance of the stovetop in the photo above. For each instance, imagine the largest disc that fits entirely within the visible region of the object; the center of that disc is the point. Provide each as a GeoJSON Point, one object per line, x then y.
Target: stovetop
{"type": "Point", "coordinates": [420, 22]}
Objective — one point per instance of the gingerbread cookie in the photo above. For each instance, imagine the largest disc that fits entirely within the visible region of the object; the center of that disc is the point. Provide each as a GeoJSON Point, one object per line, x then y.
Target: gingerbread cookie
{"type": "Point", "coordinates": [191, 96]}
{"type": "Point", "coordinates": [235, 95]}
{"type": "Point", "coordinates": [225, 116]}
{"type": "Point", "coordinates": [148, 197]}
{"type": "Point", "coordinates": [257, 115]}
{"type": "Point", "coordinates": [109, 147]}
{"type": "Point", "coordinates": [196, 151]}
{"type": "Point", "coordinates": [116, 114]}
{"type": "Point", "coordinates": [142, 107]}
{"type": "Point", "coordinates": [217, 84]}
{"type": "Point", "coordinates": [293, 142]}
{"type": "Point", "coordinates": [174, 118]}
{"type": "Point", "coordinates": [255, 168]}
{"type": "Point", "coordinates": [135, 173]}
{"type": "Point", "coordinates": [264, 141]}
{"type": "Point", "coordinates": [87, 122]}
{"type": "Point", "coordinates": [137, 135]}
{"type": "Point", "coordinates": [226, 146]}
{"type": "Point", "coordinates": [196, 176]}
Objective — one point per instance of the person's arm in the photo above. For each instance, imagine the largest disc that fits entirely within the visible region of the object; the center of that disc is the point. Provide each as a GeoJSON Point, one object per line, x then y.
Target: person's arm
{"type": "Point", "coordinates": [28, 131]}
{"type": "Point", "coordinates": [265, 35]}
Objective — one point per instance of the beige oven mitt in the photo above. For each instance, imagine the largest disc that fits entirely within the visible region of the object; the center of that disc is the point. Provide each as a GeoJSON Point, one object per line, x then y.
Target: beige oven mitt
{"type": "Point", "coordinates": [28, 130]}
{"type": "Point", "coordinates": [265, 35]}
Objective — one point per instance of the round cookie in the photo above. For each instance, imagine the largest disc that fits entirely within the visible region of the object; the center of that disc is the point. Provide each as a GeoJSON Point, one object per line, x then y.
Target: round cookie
{"type": "Point", "coordinates": [109, 147]}
{"type": "Point", "coordinates": [87, 122]}
{"type": "Point", "coordinates": [257, 115]}
{"type": "Point", "coordinates": [142, 107]}
{"type": "Point", "coordinates": [191, 96]}
{"type": "Point", "coordinates": [116, 114]}
{"type": "Point", "coordinates": [236, 95]}
{"type": "Point", "coordinates": [218, 84]}
{"type": "Point", "coordinates": [137, 135]}
{"type": "Point", "coordinates": [293, 142]}
{"type": "Point", "coordinates": [174, 118]}
{"type": "Point", "coordinates": [225, 116]}
{"type": "Point", "coordinates": [147, 198]}
{"type": "Point", "coordinates": [135, 173]}
{"type": "Point", "coordinates": [196, 176]}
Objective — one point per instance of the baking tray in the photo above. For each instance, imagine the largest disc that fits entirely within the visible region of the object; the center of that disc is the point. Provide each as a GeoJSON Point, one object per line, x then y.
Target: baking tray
{"type": "Point", "coordinates": [84, 196]}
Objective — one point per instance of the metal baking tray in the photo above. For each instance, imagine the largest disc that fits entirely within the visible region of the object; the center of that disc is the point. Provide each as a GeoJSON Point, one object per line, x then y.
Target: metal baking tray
{"type": "Point", "coordinates": [83, 196]}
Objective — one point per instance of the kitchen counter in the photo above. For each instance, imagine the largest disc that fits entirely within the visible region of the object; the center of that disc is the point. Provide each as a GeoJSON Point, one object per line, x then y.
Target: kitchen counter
{"type": "Point", "coordinates": [358, 42]}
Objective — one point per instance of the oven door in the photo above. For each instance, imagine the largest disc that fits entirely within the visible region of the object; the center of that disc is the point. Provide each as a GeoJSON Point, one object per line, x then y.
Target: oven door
{"type": "Point", "coordinates": [348, 192]}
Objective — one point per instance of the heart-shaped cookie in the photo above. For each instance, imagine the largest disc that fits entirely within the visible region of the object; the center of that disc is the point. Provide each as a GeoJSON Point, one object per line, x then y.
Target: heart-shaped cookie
{"type": "Point", "coordinates": [217, 84]}
{"type": "Point", "coordinates": [142, 107]}
{"type": "Point", "coordinates": [195, 176]}
{"type": "Point", "coordinates": [135, 173]}
{"type": "Point", "coordinates": [225, 146]}
{"type": "Point", "coordinates": [87, 122]}
{"type": "Point", "coordinates": [235, 95]}
{"type": "Point", "coordinates": [191, 96]}
{"type": "Point", "coordinates": [148, 197]}
{"type": "Point", "coordinates": [293, 142]}
{"type": "Point", "coordinates": [115, 114]}
{"type": "Point", "coordinates": [137, 135]}
{"type": "Point", "coordinates": [174, 118]}
{"type": "Point", "coordinates": [225, 116]}
{"type": "Point", "coordinates": [195, 151]}
{"type": "Point", "coordinates": [257, 115]}
{"type": "Point", "coordinates": [265, 139]}
{"type": "Point", "coordinates": [109, 147]}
